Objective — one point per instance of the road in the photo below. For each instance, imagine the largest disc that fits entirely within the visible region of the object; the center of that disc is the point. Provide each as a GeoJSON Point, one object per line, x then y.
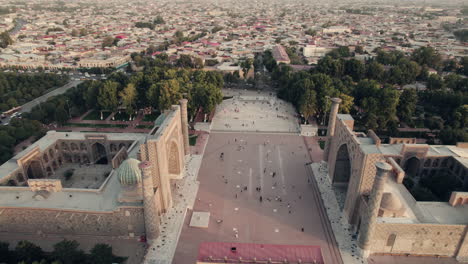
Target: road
{"type": "Point", "coordinates": [19, 23]}
{"type": "Point", "coordinates": [30, 105]}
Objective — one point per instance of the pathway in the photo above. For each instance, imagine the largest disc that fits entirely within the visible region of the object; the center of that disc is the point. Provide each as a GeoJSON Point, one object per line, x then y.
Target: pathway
{"type": "Point", "coordinates": [349, 249]}
{"type": "Point", "coordinates": [162, 250]}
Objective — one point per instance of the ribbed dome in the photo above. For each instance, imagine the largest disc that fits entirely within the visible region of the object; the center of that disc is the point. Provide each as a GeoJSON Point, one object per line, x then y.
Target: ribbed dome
{"type": "Point", "coordinates": [129, 173]}
{"type": "Point", "coordinates": [390, 202]}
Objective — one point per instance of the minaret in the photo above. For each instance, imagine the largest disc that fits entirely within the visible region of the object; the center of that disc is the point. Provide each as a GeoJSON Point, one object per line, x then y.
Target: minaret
{"type": "Point", "coordinates": [184, 117]}
{"type": "Point", "coordinates": [331, 125]}
{"type": "Point", "coordinates": [373, 205]}
{"type": "Point", "coordinates": [149, 202]}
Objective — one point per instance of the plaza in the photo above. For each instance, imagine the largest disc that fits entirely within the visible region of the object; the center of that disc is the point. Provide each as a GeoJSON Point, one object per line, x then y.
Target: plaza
{"type": "Point", "coordinates": [288, 212]}
{"type": "Point", "coordinates": [254, 111]}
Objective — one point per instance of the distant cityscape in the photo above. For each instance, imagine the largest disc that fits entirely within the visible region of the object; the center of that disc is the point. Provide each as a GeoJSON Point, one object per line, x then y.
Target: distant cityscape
{"type": "Point", "coordinates": [82, 34]}
{"type": "Point", "coordinates": [221, 131]}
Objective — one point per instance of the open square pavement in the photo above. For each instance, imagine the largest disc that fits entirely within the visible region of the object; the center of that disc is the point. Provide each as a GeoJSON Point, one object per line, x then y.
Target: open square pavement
{"type": "Point", "coordinates": [256, 189]}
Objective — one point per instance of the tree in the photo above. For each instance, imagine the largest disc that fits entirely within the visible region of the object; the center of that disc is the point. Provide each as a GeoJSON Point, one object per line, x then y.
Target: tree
{"type": "Point", "coordinates": [159, 20]}
{"type": "Point", "coordinates": [61, 115]}
{"type": "Point", "coordinates": [207, 96]}
{"type": "Point", "coordinates": [427, 56]}
{"type": "Point", "coordinates": [246, 65]}
{"type": "Point", "coordinates": [107, 97]}
{"type": "Point", "coordinates": [5, 40]}
{"type": "Point", "coordinates": [355, 69]}
{"type": "Point", "coordinates": [375, 71]}
{"type": "Point", "coordinates": [178, 35]}
{"type": "Point", "coordinates": [461, 35]}
{"type": "Point", "coordinates": [359, 50]}
{"type": "Point", "coordinates": [102, 253]}
{"type": "Point", "coordinates": [128, 97]}
{"type": "Point", "coordinates": [311, 32]}
{"type": "Point", "coordinates": [75, 33]}
{"type": "Point", "coordinates": [464, 63]}
{"type": "Point", "coordinates": [28, 252]}
{"type": "Point", "coordinates": [107, 42]}
{"type": "Point", "coordinates": [308, 103]}
{"type": "Point", "coordinates": [407, 105]}
{"type": "Point", "coordinates": [435, 82]}
{"type": "Point", "coordinates": [6, 139]}
{"type": "Point", "coordinates": [184, 61]}
{"type": "Point", "coordinates": [450, 136]}
{"type": "Point", "coordinates": [168, 93]}
{"type": "Point", "coordinates": [346, 104]}
{"type": "Point", "coordinates": [389, 98]}
{"type": "Point", "coordinates": [330, 66]}
{"type": "Point", "coordinates": [67, 252]}
{"type": "Point", "coordinates": [7, 255]}
{"type": "Point", "coordinates": [83, 32]}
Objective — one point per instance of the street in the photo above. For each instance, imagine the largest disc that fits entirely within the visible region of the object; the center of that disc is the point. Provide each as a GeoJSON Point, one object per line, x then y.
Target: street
{"type": "Point", "coordinates": [30, 105]}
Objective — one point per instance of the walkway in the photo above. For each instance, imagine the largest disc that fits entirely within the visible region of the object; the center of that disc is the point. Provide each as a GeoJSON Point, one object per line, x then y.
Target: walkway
{"type": "Point", "coordinates": [162, 250]}
{"type": "Point", "coordinates": [350, 252]}
{"type": "Point", "coordinates": [257, 112]}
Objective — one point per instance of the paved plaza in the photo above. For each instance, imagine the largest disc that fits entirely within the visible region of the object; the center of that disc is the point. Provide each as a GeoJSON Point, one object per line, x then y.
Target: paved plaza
{"type": "Point", "coordinates": [256, 189]}
{"type": "Point", "coordinates": [254, 112]}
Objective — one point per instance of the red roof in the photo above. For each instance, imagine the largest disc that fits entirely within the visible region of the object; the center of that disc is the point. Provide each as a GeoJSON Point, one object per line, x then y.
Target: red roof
{"type": "Point", "coordinates": [216, 252]}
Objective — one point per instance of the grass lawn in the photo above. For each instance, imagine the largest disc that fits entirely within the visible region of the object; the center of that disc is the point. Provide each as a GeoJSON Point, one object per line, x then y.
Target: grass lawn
{"type": "Point", "coordinates": [145, 126]}
{"type": "Point", "coordinates": [151, 117]}
{"type": "Point", "coordinates": [122, 116]}
{"type": "Point", "coordinates": [322, 144]}
{"type": "Point", "coordinates": [96, 115]}
{"type": "Point", "coordinates": [96, 125]}
{"type": "Point", "coordinates": [193, 140]}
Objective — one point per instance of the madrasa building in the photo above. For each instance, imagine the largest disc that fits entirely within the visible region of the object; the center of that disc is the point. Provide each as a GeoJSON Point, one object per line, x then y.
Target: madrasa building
{"type": "Point", "coordinates": [380, 188]}
{"type": "Point", "coordinates": [106, 184]}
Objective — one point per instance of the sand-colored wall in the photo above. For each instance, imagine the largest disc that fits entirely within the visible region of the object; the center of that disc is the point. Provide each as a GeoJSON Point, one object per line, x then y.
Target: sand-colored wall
{"type": "Point", "coordinates": [122, 222]}
{"type": "Point", "coordinates": [419, 239]}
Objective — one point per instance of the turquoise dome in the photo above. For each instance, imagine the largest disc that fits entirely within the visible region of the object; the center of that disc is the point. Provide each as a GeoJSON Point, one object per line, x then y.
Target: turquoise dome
{"type": "Point", "coordinates": [129, 173]}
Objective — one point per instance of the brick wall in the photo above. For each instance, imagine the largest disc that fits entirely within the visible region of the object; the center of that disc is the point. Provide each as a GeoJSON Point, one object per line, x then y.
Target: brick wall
{"type": "Point", "coordinates": [32, 221]}
{"type": "Point", "coordinates": [420, 239]}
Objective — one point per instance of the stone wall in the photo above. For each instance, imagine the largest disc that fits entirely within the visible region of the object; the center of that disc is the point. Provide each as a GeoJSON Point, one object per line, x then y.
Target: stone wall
{"type": "Point", "coordinates": [418, 239]}
{"type": "Point", "coordinates": [123, 222]}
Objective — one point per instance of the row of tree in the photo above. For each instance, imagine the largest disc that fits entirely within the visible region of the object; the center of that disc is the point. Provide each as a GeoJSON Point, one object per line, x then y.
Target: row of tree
{"type": "Point", "coordinates": [14, 133]}
{"type": "Point", "coordinates": [65, 252]}
{"type": "Point", "coordinates": [151, 25]}
{"type": "Point", "coordinates": [158, 87]}
{"type": "Point", "coordinates": [17, 89]}
{"type": "Point", "coordinates": [368, 90]}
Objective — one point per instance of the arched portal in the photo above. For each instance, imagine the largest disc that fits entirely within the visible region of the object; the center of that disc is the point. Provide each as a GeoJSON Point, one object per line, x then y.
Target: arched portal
{"type": "Point", "coordinates": [412, 166]}
{"type": "Point", "coordinates": [49, 171]}
{"type": "Point", "coordinates": [34, 170]}
{"type": "Point", "coordinates": [342, 172]}
{"type": "Point", "coordinates": [99, 153]}
{"type": "Point", "coordinates": [174, 163]}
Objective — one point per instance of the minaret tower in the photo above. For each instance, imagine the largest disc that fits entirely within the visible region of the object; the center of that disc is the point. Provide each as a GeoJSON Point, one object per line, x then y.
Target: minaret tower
{"type": "Point", "coordinates": [184, 117]}
{"type": "Point", "coordinates": [149, 202]}
{"type": "Point", "coordinates": [331, 125]}
{"type": "Point", "coordinates": [373, 205]}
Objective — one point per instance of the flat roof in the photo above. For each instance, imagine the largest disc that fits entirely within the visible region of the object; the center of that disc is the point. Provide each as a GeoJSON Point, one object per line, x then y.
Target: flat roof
{"type": "Point", "coordinates": [104, 200]}
{"type": "Point", "coordinates": [218, 251]}
{"type": "Point", "coordinates": [444, 213]}
{"type": "Point", "coordinates": [52, 136]}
